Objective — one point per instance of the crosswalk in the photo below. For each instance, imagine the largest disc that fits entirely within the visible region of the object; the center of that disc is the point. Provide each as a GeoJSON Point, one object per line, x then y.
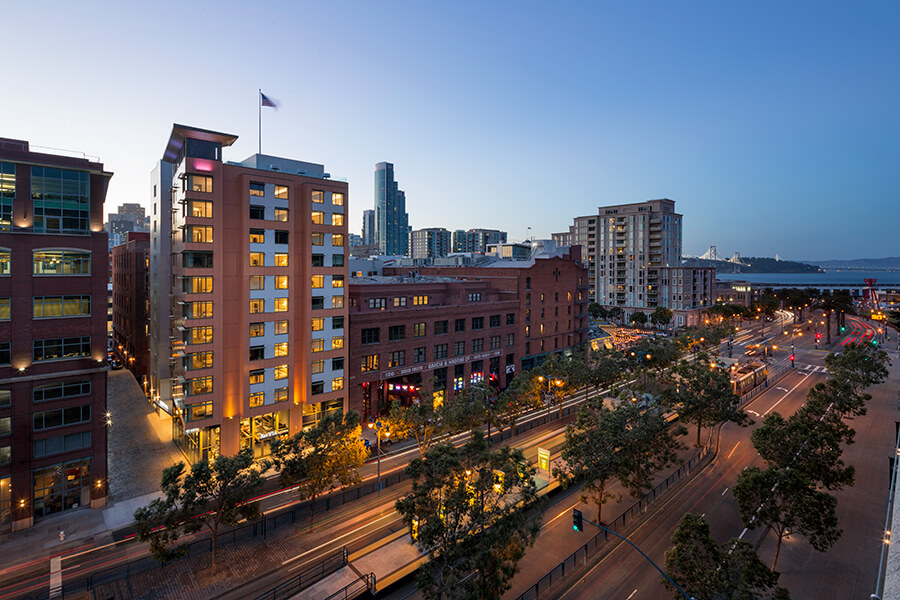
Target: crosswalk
{"type": "Point", "coordinates": [812, 368]}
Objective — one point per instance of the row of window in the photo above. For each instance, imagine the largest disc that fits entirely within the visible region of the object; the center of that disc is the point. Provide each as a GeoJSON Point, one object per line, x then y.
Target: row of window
{"type": "Point", "coordinates": [397, 358]}
{"type": "Point", "coordinates": [61, 417]}
{"type": "Point", "coordinates": [398, 332]}
{"type": "Point", "coordinates": [258, 259]}
{"type": "Point", "coordinates": [51, 262]}
{"type": "Point", "coordinates": [204, 184]}
{"type": "Point", "coordinates": [62, 443]}
{"type": "Point", "coordinates": [318, 218]}
{"type": "Point", "coordinates": [259, 352]}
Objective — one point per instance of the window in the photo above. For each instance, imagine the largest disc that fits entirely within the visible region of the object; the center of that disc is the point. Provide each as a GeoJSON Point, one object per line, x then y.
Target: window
{"type": "Point", "coordinates": [257, 259]}
{"type": "Point", "coordinates": [257, 212]}
{"type": "Point", "coordinates": [528, 331]}
{"type": "Point", "coordinates": [337, 322]}
{"type": "Point", "coordinates": [257, 352]}
{"type": "Point", "coordinates": [281, 395]}
{"type": "Point", "coordinates": [281, 214]}
{"type": "Point", "coordinates": [257, 399]}
{"type": "Point", "coordinates": [4, 262]}
{"type": "Point", "coordinates": [200, 183]}
{"type": "Point", "coordinates": [7, 196]}
{"type": "Point", "coordinates": [281, 192]}
{"type": "Point", "coordinates": [4, 353]}
{"type": "Point", "coordinates": [337, 302]}
{"type": "Point", "coordinates": [318, 217]}
{"type": "Point", "coordinates": [61, 348]}
{"type": "Point", "coordinates": [397, 359]}
{"type": "Point", "coordinates": [337, 364]}
{"type": "Point", "coordinates": [281, 282]}
{"type": "Point", "coordinates": [510, 318]}
{"type": "Point", "coordinates": [318, 366]}
{"type": "Point", "coordinates": [257, 376]}
{"type": "Point", "coordinates": [61, 262]}
{"type": "Point", "coordinates": [378, 303]}
{"type": "Point", "coordinates": [477, 323]}
{"type": "Point", "coordinates": [318, 281]}
{"type": "Point", "coordinates": [5, 426]}
{"type": "Point", "coordinates": [318, 239]}
{"type": "Point", "coordinates": [369, 363]}
{"type": "Point", "coordinates": [337, 260]}
{"type": "Point", "coordinates": [198, 360]}
{"type": "Point", "coordinates": [257, 282]}
{"type": "Point", "coordinates": [6, 397]}
{"type": "Point", "coordinates": [257, 305]}
{"type": "Point", "coordinates": [494, 321]}
{"type": "Point", "coordinates": [257, 188]}
{"type": "Point", "coordinates": [201, 234]}
{"type": "Point", "coordinates": [282, 237]}
{"type": "Point", "coordinates": [337, 199]}
{"type": "Point", "coordinates": [440, 327]}
{"type": "Point", "coordinates": [318, 196]}
{"type": "Point", "coordinates": [459, 325]}
{"type": "Point", "coordinates": [396, 332]}
{"type": "Point", "coordinates": [419, 355]}
{"type": "Point", "coordinates": [510, 339]}
{"type": "Point", "coordinates": [198, 310]}
{"type": "Point", "coordinates": [201, 209]}
{"type": "Point", "coordinates": [337, 220]}
{"type": "Point", "coordinates": [440, 351]}
{"type": "Point", "coordinates": [281, 305]}
{"type": "Point", "coordinates": [257, 236]}
{"type": "Point", "coordinates": [337, 239]}
{"type": "Point", "coordinates": [281, 372]}
{"type": "Point", "coordinates": [318, 260]}
{"type": "Point", "coordinates": [478, 345]}
{"type": "Point", "coordinates": [198, 335]}
{"type": "Point", "coordinates": [337, 384]}
{"type": "Point", "coordinates": [318, 324]}
{"type": "Point", "coordinates": [475, 297]}
{"type": "Point", "coordinates": [317, 387]}
{"type": "Point", "coordinates": [459, 348]}
{"type": "Point", "coordinates": [281, 259]}
{"type": "Point", "coordinates": [337, 342]}
{"type": "Point", "coordinates": [420, 300]}
{"type": "Point", "coordinates": [257, 329]}
{"type": "Point", "coordinates": [419, 329]}
{"type": "Point", "coordinates": [281, 349]}
{"type": "Point", "coordinates": [44, 307]}
{"type": "Point", "coordinates": [58, 391]}
{"type": "Point", "coordinates": [371, 335]}
{"type": "Point", "coordinates": [317, 345]}
{"type": "Point", "coordinates": [495, 342]}
{"type": "Point", "coordinates": [200, 385]}
{"type": "Point", "coordinates": [281, 327]}
{"type": "Point", "coordinates": [400, 301]}
{"type": "Point", "coordinates": [197, 260]}
{"type": "Point", "coordinates": [63, 443]}
{"type": "Point", "coordinates": [337, 281]}
{"type": "Point", "coordinates": [61, 417]}
{"type": "Point", "coordinates": [197, 412]}
{"type": "Point", "coordinates": [61, 200]}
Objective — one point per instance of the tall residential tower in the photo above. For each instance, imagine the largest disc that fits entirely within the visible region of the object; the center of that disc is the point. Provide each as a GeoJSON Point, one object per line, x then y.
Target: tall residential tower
{"type": "Point", "coordinates": [391, 219]}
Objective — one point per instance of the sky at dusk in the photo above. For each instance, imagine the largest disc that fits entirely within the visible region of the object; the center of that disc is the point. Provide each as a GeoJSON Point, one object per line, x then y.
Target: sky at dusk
{"type": "Point", "coordinates": [773, 125]}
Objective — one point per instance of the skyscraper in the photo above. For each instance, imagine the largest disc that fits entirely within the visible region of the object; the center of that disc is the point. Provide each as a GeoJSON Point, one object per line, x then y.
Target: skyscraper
{"type": "Point", "coordinates": [368, 227]}
{"type": "Point", "coordinates": [391, 219]}
{"type": "Point", "coordinates": [252, 316]}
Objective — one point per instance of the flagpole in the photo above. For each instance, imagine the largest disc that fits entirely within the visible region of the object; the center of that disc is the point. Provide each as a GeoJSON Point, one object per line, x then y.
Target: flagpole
{"type": "Point", "coordinates": [259, 111]}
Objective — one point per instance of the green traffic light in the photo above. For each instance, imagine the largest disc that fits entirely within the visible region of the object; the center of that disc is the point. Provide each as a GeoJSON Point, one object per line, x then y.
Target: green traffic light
{"type": "Point", "coordinates": [577, 520]}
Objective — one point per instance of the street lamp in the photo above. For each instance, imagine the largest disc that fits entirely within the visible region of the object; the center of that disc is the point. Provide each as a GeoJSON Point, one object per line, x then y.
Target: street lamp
{"type": "Point", "coordinates": [377, 426]}
{"type": "Point", "coordinates": [551, 382]}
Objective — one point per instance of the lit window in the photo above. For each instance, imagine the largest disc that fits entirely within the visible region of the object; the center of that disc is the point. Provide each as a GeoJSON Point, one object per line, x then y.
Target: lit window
{"type": "Point", "coordinates": [257, 305]}
{"type": "Point", "coordinates": [257, 376]}
{"type": "Point", "coordinates": [197, 285]}
{"type": "Point", "coordinates": [257, 236]}
{"type": "Point", "coordinates": [257, 329]}
{"type": "Point", "coordinates": [337, 220]}
{"type": "Point", "coordinates": [200, 209]}
{"type": "Point", "coordinates": [257, 259]}
{"type": "Point", "coordinates": [4, 308]}
{"type": "Point", "coordinates": [44, 307]}
{"type": "Point", "coordinates": [318, 324]}
{"type": "Point", "coordinates": [400, 301]}
{"type": "Point", "coordinates": [198, 360]}
{"type": "Point", "coordinates": [281, 304]}
{"type": "Point", "coordinates": [281, 372]}
{"type": "Point", "coordinates": [281, 259]}
{"type": "Point", "coordinates": [337, 199]}
{"type": "Point", "coordinates": [337, 343]}
{"type": "Point", "coordinates": [281, 395]}
{"type": "Point", "coordinates": [257, 399]}
{"type": "Point", "coordinates": [419, 329]}
{"type": "Point", "coordinates": [420, 300]}
{"type": "Point", "coordinates": [200, 385]}
{"type": "Point", "coordinates": [4, 261]}
{"type": "Point", "coordinates": [61, 262]}
{"type": "Point", "coordinates": [318, 281]}
{"type": "Point", "coordinates": [257, 188]}
{"type": "Point", "coordinates": [198, 335]}
{"type": "Point", "coordinates": [198, 412]}
{"type": "Point", "coordinates": [281, 214]}
{"type": "Point", "coordinates": [318, 366]}
{"type": "Point", "coordinates": [337, 239]}
{"type": "Point", "coordinates": [337, 384]}
{"type": "Point", "coordinates": [198, 234]}
{"type": "Point", "coordinates": [369, 363]}
{"type": "Point", "coordinates": [317, 345]}
{"type": "Point", "coordinates": [281, 349]}
{"type": "Point", "coordinates": [318, 197]}
{"type": "Point", "coordinates": [318, 217]}
{"type": "Point", "coordinates": [337, 302]}
{"type": "Point", "coordinates": [200, 183]}
{"type": "Point", "coordinates": [337, 281]}
{"type": "Point", "coordinates": [281, 282]}
{"type": "Point", "coordinates": [281, 192]}
{"type": "Point", "coordinates": [281, 327]}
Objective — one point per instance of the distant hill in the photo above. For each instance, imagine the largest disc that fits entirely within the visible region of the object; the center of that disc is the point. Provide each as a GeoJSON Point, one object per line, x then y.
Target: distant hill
{"type": "Point", "coordinates": [862, 264]}
{"type": "Point", "coordinates": [754, 264]}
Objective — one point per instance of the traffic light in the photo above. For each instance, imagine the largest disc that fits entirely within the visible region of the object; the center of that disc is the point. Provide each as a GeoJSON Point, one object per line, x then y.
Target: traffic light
{"type": "Point", "coordinates": [577, 522]}
{"type": "Point", "coordinates": [818, 336]}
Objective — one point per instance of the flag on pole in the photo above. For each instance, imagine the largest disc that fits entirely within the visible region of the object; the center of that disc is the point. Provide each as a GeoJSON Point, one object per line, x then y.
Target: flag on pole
{"type": "Point", "coordinates": [266, 101]}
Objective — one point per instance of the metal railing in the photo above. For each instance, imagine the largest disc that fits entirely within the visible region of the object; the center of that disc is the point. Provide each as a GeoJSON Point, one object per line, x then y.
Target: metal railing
{"type": "Point", "coordinates": [312, 574]}
{"type": "Point", "coordinates": [366, 583]}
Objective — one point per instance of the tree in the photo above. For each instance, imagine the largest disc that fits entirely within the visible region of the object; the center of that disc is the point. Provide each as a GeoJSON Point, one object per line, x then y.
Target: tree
{"type": "Point", "coordinates": [614, 312]}
{"type": "Point", "coordinates": [475, 511]}
{"type": "Point", "coordinates": [623, 443]}
{"type": "Point", "coordinates": [706, 570]}
{"type": "Point", "coordinates": [661, 316]}
{"type": "Point", "coordinates": [860, 365]}
{"type": "Point", "coordinates": [596, 311]}
{"type": "Point", "coordinates": [703, 396]}
{"type": "Point", "coordinates": [209, 496]}
{"type": "Point", "coordinates": [785, 500]}
{"type": "Point", "coordinates": [420, 421]}
{"type": "Point", "coordinates": [639, 318]}
{"type": "Point", "coordinates": [321, 457]}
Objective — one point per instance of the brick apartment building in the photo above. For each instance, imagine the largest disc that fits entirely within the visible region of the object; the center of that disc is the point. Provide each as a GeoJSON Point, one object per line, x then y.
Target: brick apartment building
{"type": "Point", "coordinates": [53, 290]}
{"type": "Point", "coordinates": [130, 300]}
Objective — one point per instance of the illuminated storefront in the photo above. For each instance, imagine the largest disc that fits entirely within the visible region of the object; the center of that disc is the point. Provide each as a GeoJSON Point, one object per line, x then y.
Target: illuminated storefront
{"type": "Point", "coordinates": [257, 433]}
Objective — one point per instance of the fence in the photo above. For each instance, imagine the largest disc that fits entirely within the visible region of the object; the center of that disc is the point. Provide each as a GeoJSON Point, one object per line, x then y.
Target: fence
{"type": "Point", "coordinates": [366, 583]}
{"type": "Point", "coordinates": [772, 376]}
{"type": "Point", "coordinates": [307, 577]}
{"type": "Point", "coordinates": [579, 557]}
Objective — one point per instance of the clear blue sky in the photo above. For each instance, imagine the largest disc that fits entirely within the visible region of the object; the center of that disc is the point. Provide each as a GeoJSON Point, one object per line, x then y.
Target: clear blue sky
{"type": "Point", "coordinates": [773, 125]}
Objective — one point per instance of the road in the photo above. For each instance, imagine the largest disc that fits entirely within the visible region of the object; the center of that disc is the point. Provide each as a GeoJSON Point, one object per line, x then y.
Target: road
{"type": "Point", "coordinates": [847, 570]}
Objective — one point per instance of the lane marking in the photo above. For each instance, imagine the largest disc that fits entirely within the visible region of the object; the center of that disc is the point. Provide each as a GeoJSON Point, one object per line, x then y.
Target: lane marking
{"type": "Point", "coordinates": [328, 543]}
{"type": "Point", "coordinates": [799, 383]}
{"type": "Point", "coordinates": [723, 491]}
{"type": "Point", "coordinates": [735, 448]}
{"type": "Point", "coordinates": [56, 577]}
{"type": "Point", "coordinates": [781, 388]}
{"type": "Point", "coordinates": [631, 595]}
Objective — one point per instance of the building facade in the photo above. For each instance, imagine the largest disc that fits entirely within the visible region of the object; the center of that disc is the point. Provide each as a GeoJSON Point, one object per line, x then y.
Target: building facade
{"type": "Point", "coordinates": [131, 304]}
{"type": "Point", "coordinates": [433, 242]}
{"type": "Point", "coordinates": [391, 219]}
{"type": "Point", "coordinates": [53, 289]}
{"type": "Point", "coordinates": [256, 311]}
{"type": "Point", "coordinates": [368, 228]}
{"type": "Point", "coordinates": [476, 240]}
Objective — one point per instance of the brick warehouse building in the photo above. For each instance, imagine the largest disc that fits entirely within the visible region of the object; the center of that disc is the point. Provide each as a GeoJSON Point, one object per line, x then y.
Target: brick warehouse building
{"type": "Point", "coordinates": [130, 300]}
{"type": "Point", "coordinates": [541, 303]}
{"type": "Point", "coordinates": [53, 290]}
{"type": "Point", "coordinates": [247, 294]}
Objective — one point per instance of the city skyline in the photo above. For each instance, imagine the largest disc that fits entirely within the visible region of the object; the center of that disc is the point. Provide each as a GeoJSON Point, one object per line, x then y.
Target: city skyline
{"type": "Point", "coordinates": [763, 124]}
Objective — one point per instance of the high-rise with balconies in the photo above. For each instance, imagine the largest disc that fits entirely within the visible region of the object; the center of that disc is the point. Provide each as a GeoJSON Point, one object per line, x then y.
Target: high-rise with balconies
{"type": "Point", "coordinates": [248, 316]}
